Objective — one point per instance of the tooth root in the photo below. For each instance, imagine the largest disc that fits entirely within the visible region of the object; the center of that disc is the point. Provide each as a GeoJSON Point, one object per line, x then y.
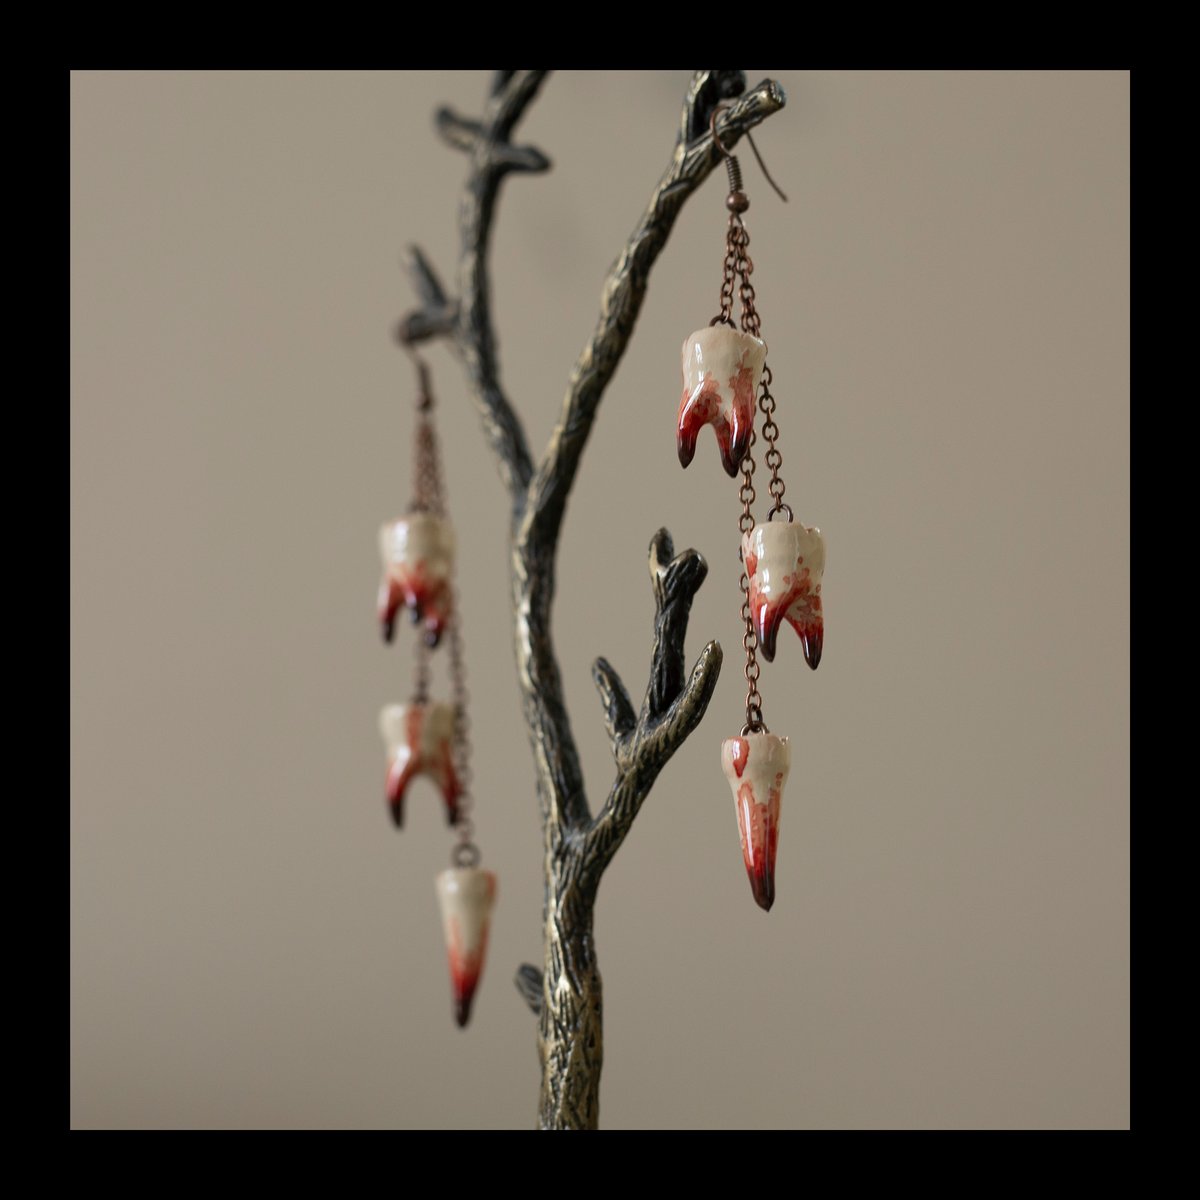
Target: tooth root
{"type": "Point", "coordinates": [756, 766]}
{"type": "Point", "coordinates": [731, 459]}
{"type": "Point", "coordinates": [398, 777]}
{"type": "Point", "coordinates": [420, 741]}
{"type": "Point", "coordinates": [388, 605]}
{"type": "Point", "coordinates": [758, 825]}
{"type": "Point", "coordinates": [812, 638]}
{"type": "Point", "coordinates": [466, 896]}
{"type": "Point", "coordinates": [789, 563]}
{"type": "Point", "coordinates": [767, 619]}
{"type": "Point", "coordinates": [739, 441]}
{"type": "Point", "coordinates": [450, 786]}
{"type": "Point", "coordinates": [462, 1007]}
{"type": "Point", "coordinates": [722, 367]}
{"type": "Point", "coordinates": [686, 433]}
{"type": "Point", "coordinates": [418, 559]}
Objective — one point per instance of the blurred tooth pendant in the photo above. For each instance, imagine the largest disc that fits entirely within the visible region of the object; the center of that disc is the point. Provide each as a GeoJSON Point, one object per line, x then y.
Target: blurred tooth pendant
{"type": "Point", "coordinates": [466, 895]}
{"type": "Point", "coordinates": [425, 737]}
{"type": "Point", "coordinates": [785, 562]}
{"type": "Point", "coordinates": [722, 368]}
{"type": "Point", "coordinates": [418, 558]}
{"type": "Point", "coordinates": [757, 765]}
{"type": "Point", "coordinates": [420, 741]}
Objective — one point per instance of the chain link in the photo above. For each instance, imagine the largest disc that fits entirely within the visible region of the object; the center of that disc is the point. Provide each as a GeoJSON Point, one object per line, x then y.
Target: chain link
{"type": "Point", "coordinates": [427, 497]}
{"type": "Point", "coordinates": [754, 716]}
{"type": "Point", "coordinates": [739, 265]}
{"type": "Point", "coordinates": [421, 673]}
{"type": "Point", "coordinates": [427, 488]}
{"type": "Point", "coordinates": [465, 853]}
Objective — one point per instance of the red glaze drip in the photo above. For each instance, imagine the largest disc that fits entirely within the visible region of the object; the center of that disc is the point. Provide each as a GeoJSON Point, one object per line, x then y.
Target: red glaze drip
{"type": "Point", "coordinates": [408, 762]}
{"type": "Point", "coordinates": [466, 969]}
{"type": "Point", "coordinates": [799, 605]}
{"type": "Point", "coordinates": [428, 600]}
{"type": "Point", "coordinates": [758, 825]}
{"type": "Point", "coordinates": [732, 421]}
{"type": "Point", "coordinates": [387, 605]}
{"type": "Point", "coordinates": [741, 752]}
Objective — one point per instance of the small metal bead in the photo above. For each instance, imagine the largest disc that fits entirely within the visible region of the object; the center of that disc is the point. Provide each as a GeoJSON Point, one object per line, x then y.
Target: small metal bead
{"type": "Point", "coordinates": [737, 202]}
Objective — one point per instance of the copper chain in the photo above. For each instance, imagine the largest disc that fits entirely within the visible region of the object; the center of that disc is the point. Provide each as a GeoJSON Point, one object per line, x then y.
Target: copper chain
{"type": "Point", "coordinates": [738, 264]}
{"type": "Point", "coordinates": [754, 715]}
{"type": "Point", "coordinates": [427, 476]}
{"type": "Point", "coordinates": [466, 852]}
{"type": "Point", "coordinates": [421, 673]}
{"type": "Point", "coordinates": [427, 497]}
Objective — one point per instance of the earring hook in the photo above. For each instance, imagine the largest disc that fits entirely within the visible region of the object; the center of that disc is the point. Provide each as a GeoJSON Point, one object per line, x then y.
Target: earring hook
{"type": "Point", "coordinates": [712, 125]}
{"type": "Point", "coordinates": [425, 390]}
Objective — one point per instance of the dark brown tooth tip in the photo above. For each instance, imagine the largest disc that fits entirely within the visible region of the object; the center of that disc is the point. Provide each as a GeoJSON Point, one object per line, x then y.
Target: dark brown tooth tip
{"type": "Point", "coordinates": [397, 812]}
{"type": "Point", "coordinates": [813, 645]}
{"type": "Point", "coordinates": [462, 1011]}
{"type": "Point", "coordinates": [686, 448]}
{"type": "Point", "coordinates": [763, 886]}
{"type": "Point", "coordinates": [389, 629]}
{"type": "Point", "coordinates": [768, 632]}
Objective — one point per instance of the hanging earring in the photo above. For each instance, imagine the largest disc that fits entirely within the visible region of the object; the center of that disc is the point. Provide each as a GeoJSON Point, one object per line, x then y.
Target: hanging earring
{"type": "Point", "coordinates": [724, 368]}
{"type": "Point", "coordinates": [418, 549]}
{"type": "Point", "coordinates": [430, 738]}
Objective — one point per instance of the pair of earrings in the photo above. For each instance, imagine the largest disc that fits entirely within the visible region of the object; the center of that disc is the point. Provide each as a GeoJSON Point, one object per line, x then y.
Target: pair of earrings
{"type": "Point", "coordinates": [724, 373]}
{"type": "Point", "coordinates": [429, 738]}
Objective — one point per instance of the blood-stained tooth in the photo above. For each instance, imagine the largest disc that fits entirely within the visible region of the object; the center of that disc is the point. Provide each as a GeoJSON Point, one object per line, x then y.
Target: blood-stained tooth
{"type": "Point", "coordinates": [466, 896]}
{"type": "Point", "coordinates": [784, 563]}
{"type": "Point", "coordinates": [420, 741]}
{"type": "Point", "coordinates": [722, 367]}
{"type": "Point", "coordinates": [418, 558]}
{"type": "Point", "coordinates": [757, 765]}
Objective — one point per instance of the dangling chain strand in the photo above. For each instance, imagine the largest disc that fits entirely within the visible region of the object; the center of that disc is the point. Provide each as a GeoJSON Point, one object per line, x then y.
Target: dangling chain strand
{"type": "Point", "coordinates": [738, 264]}
{"type": "Point", "coordinates": [427, 485]}
{"type": "Point", "coordinates": [466, 852]}
{"type": "Point", "coordinates": [754, 715]}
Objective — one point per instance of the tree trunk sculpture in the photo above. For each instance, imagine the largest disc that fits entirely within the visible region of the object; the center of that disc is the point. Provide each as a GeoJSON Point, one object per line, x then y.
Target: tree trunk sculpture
{"type": "Point", "coordinates": [565, 991]}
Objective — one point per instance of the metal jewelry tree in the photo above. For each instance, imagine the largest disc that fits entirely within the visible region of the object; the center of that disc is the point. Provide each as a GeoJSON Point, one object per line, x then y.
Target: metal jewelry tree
{"type": "Point", "coordinates": [564, 992]}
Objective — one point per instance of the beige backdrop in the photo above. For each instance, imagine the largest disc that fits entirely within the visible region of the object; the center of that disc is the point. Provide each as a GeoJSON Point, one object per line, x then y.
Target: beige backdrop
{"type": "Point", "coordinates": [946, 299]}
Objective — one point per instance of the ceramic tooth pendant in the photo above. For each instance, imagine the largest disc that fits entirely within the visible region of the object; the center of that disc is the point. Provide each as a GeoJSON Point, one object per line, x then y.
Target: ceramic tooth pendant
{"type": "Point", "coordinates": [418, 558]}
{"type": "Point", "coordinates": [420, 741]}
{"type": "Point", "coordinates": [785, 562]}
{"type": "Point", "coordinates": [757, 766]}
{"type": "Point", "coordinates": [466, 895]}
{"type": "Point", "coordinates": [722, 367]}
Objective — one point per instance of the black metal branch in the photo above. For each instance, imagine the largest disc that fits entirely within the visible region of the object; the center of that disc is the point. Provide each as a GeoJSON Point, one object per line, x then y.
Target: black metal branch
{"type": "Point", "coordinates": [625, 287]}
{"type": "Point", "coordinates": [468, 321]}
{"type": "Point", "coordinates": [537, 535]}
{"type": "Point", "coordinates": [671, 709]}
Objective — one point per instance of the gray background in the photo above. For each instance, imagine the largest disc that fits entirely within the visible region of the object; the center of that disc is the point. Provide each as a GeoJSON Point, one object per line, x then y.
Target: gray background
{"type": "Point", "coordinates": [946, 300]}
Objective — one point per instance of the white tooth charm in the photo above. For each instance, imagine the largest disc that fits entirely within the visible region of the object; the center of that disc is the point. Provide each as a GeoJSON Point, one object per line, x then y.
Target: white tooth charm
{"type": "Point", "coordinates": [418, 558]}
{"type": "Point", "coordinates": [466, 895]}
{"type": "Point", "coordinates": [722, 367]}
{"type": "Point", "coordinates": [784, 563]}
{"type": "Point", "coordinates": [757, 766]}
{"type": "Point", "coordinates": [420, 741]}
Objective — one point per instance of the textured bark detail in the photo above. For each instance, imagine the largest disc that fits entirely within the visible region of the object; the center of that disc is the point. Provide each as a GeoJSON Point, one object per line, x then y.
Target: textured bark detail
{"type": "Point", "coordinates": [566, 994]}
